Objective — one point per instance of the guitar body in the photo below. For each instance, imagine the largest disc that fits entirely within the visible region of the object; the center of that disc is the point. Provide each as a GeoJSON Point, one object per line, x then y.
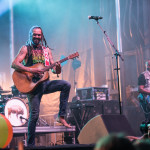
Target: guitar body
{"type": "Point", "coordinates": [26, 82]}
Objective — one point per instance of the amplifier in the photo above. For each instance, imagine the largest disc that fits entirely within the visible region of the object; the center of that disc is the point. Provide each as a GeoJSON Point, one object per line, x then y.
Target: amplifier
{"type": "Point", "coordinates": [92, 93]}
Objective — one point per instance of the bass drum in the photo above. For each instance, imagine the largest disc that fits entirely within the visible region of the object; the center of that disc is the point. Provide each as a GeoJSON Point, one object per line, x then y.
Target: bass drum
{"type": "Point", "coordinates": [16, 111]}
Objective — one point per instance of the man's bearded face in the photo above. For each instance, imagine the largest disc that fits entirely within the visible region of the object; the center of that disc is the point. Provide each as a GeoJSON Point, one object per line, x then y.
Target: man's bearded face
{"type": "Point", "coordinates": [36, 36]}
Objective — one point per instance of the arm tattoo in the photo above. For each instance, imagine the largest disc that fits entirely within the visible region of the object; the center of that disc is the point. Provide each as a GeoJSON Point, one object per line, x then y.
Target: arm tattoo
{"type": "Point", "coordinates": [21, 52]}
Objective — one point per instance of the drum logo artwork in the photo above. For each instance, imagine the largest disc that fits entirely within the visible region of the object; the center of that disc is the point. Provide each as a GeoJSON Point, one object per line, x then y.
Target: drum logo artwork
{"type": "Point", "coordinates": [16, 112]}
{"type": "Point", "coordinates": [16, 109]}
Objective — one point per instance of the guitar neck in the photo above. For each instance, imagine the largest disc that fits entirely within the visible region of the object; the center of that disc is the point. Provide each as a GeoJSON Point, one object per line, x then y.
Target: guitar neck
{"type": "Point", "coordinates": [54, 64]}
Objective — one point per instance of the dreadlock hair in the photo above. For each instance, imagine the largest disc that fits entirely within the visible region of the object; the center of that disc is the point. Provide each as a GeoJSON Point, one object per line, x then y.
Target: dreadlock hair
{"type": "Point", "coordinates": [43, 41]}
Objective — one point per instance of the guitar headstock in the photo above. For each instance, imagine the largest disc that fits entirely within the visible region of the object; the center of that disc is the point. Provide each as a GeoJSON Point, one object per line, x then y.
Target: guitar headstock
{"type": "Point", "coordinates": [72, 56]}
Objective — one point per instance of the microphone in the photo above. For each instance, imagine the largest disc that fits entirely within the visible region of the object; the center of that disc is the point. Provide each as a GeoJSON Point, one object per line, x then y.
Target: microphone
{"type": "Point", "coordinates": [95, 17]}
{"type": "Point", "coordinates": [23, 118]}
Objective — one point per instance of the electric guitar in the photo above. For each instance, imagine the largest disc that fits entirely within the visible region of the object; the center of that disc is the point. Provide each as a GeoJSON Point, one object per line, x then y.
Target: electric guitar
{"type": "Point", "coordinates": [26, 82]}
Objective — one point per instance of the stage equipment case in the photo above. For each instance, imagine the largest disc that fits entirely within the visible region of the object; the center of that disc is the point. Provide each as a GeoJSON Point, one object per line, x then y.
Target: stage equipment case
{"type": "Point", "coordinates": [92, 93]}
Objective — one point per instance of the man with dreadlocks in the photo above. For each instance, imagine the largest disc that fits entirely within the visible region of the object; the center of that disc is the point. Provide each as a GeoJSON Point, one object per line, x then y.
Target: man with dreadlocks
{"type": "Point", "coordinates": [37, 51]}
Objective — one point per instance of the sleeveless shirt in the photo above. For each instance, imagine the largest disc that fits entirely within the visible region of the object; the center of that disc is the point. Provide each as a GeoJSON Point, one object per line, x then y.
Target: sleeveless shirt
{"type": "Point", "coordinates": [35, 55]}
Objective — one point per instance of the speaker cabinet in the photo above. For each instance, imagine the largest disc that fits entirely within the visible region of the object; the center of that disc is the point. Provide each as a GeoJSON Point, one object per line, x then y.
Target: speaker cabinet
{"type": "Point", "coordinates": [102, 125]}
{"type": "Point", "coordinates": [111, 107]}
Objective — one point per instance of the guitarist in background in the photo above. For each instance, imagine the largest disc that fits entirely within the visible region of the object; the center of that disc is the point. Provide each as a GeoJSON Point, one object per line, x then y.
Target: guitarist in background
{"type": "Point", "coordinates": [36, 51]}
{"type": "Point", "coordinates": [144, 90]}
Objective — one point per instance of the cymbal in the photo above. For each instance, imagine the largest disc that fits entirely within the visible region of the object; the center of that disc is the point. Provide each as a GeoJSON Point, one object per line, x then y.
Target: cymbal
{"type": "Point", "coordinates": [2, 91]}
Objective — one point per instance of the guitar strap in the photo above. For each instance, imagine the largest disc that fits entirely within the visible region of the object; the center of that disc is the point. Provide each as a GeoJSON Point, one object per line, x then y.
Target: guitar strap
{"type": "Point", "coordinates": [47, 63]}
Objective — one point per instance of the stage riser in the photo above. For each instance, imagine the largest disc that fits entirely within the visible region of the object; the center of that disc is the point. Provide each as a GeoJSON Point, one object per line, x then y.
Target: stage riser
{"type": "Point", "coordinates": [45, 136]}
{"type": "Point", "coordinates": [45, 140]}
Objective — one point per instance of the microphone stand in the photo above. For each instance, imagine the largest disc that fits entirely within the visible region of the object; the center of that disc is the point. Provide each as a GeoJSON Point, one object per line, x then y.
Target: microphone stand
{"type": "Point", "coordinates": [116, 54]}
{"type": "Point", "coordinates": [23, 118]}
{"type": "Point", "coordinates": [75, 83]}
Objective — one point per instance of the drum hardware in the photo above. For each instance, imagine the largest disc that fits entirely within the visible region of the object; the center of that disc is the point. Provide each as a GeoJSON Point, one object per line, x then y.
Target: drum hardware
{"type": "Point", "coordinates": [5, 98]}
{"type": "Point", "coordinates": [1, 101]}
{"type": "Point", "coordinates": [2, 105]}
{"type": "Point", "coordinates": [2, 91]}
{"type": "Point", "coordinates": [16, 93]}
{"type": "Point", "coordinates": [14, 90]}
{"type": "Point", "coordinates": [42, 122]}
{"type": "Point", "coordinates": [16, 111]}
{"type": "Point", "coordinates": [2, 108]}
{"type": "Point", "coordinates": [24, 96]}
{"type": "Point", "coordinates": [23, 118]}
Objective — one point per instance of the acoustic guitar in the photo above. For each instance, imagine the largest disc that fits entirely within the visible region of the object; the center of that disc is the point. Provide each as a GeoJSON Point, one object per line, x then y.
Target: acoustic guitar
{"type": "Point", "coordinates": [26, 82]}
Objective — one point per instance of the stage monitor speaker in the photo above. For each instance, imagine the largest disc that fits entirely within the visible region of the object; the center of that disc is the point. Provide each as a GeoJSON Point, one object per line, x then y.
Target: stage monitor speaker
{"type": "Point", "coordinates": [102, 125]}
{"type": "Point", "coordinates": [111, 107]}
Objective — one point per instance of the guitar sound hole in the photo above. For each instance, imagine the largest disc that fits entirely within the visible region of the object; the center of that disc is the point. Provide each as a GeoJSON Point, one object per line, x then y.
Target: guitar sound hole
{"type": "Point", "coordinates": [36, 78]}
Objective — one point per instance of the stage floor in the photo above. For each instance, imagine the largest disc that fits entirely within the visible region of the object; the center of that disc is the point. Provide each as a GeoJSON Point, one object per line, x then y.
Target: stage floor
{"type": "Point", "coordinates": [60, 147]}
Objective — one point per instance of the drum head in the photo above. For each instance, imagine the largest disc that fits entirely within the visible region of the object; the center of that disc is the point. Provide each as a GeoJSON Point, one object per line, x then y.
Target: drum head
{"type": "Point", "coordinates": [16, 111]}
